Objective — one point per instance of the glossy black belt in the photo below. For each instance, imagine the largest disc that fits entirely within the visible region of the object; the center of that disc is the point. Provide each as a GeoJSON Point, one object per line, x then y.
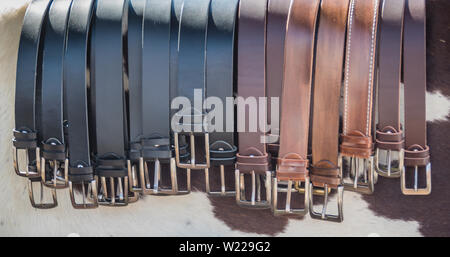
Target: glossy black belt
{"type": "Point", "coordinates": [108, 103]}
{"type": "Point", "coordinates": [81, 171]}
{"type": "Point", "coordinates": [28, 91]}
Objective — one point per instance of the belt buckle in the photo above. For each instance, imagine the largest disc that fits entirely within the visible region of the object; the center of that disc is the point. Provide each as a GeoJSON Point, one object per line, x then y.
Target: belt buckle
{"type": "Point", "coordinates": [289, 190]}
{"type": "Point", "coordinates": [26, 173]}
{"type": "Point", "coordinates": [255, 201]}
{"type": "Point", "coordinates": [389, 172]}
{"type": "Point", "coordinates": [323, 214]}
{"type": "Point", "coordinates": [366, 186]}
{"type": "Point", "coordinates": [56, 180]}
{"type": "Point", "coordinates": [416, 190]}
{"type": "Point", "coordinates": [41, 204]}
{"type": "Point", "coordinates": [108, 197]}
{"type": "Point", "coordinates": [192, 164]}
{"type": "Point", "coordinates": [146, 187]}
{"type": "Point", "coordinates": [91, 194]}
{"type": "Point", "coordinates": [222, 191]}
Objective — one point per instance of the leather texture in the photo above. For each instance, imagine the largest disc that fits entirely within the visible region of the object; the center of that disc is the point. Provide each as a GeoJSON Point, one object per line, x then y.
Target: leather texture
{"type": "Point", "coordinates": [359, 78]}
{"type": "Point", "coordinates": [414, 56]}
{"type": "Point", "coordinates": [296, 92]}
{"type": "Point", "coordinates": [327, 89]}
{"type": "Point", "coordinates": [220, 52]}
{"type": "Point", "coordinates": [251, 81]}
{"type": "Point", "coordinates": [76, 82]}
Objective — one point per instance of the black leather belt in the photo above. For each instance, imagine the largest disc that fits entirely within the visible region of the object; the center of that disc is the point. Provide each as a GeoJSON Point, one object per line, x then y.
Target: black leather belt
{"type": "Point", "coordinates": [54, 162]}
{"type": "Point", "coordinates": [76, 82]}
{"type": "Point", "coordinates": [154, 144]}
{"type": "Point", "coordinates": [108, 102]}
{"type": "Point", "coordinates": [28, 97]}
{"type": "Point", "coordinates": [219, 82]}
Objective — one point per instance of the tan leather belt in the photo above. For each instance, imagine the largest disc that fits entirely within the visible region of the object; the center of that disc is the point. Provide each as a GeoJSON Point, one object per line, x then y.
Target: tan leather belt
{"type": "Point", "coordinates": [292, 165]}
{"type": "Point", "coordinates": [277, 13]}
{"type": "Point", "coordinates": [356, 139]}
{"type": "Point", "coordinates": [252, 158]}
{"type": "Point", "coordinates": [389, 134]}
{"type": "Point", "coordinates": [414, 55]}
{"type": "Point", "coordinates": [327, 87]}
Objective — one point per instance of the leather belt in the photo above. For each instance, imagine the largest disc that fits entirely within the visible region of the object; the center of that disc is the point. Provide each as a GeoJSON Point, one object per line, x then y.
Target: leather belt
{"type": "Point", "coordinates": [389, 134]}
{"type": "Point", "coordinates": [292, 164]}
{"type": "Point", "coordinates": [107, 102]}
{"type": "Point", "coordinates": [252, 158]}
{"type": "Point", "coordinates": [75, 78]}
{"type": "Point", "coordinates": [155, 144]}
{"type": "Point", "coordinates": [191, 72]}
{"type": "Point", "coordinates": [356, 139]}
{"type": "Point", "coordinates": [54, 162]}
{"type": "Point", "coordinates": [417, 154]}
{"type": "Point", "coordinates": [327, 89]}
{"type": "Point", "coordinates": [135, 114]}
{"type": "Point", "coordinates": [28, 97]}
{"type": "Point", "coordinates": [220, 82]}
{"type": "Point", "coordinates": [277, 13]}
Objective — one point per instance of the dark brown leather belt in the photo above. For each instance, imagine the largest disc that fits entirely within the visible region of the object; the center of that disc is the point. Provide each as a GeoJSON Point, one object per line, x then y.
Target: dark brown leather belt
{"type": "Point", "coordinates": [356, 139]}
{"type": "Point", "coordinates": [252, 158]}
{"type": "Point", "coordinates": [389, 134]}
{"type": "Point", "coordinates": [277, 13]}
{"type": "Point", "coordinates": [327, 88]}
{"type": "Point", "coordinates": [417, 154]}
{"type": "Point", "coordinates": [292, 164]}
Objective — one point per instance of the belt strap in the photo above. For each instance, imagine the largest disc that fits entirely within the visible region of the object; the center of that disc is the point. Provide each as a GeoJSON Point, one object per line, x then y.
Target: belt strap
{"type": "Point", "coordinates": [75, 73]}
{"type": "Point", "coordinates": [296, 93]}
{"type": "Point", "coordinates": [251, 81]}
{"type": "Point", "coordinates": [28, 81]}
{"type": "Point", "coordinates": [134, 40]}
{"type": "Point", "coordinates": [414, 54]}
{"type": "Point", "coordinates": [359, 78]}
{"type": "Point", "coordinates": [327, 88]}
{"type": "Point", "coordinates": [107, 91]}
{"type": "Point", "coordinates": [52, 81]}
{"type": "Point", "coordinates": [220, 75]}
{"type": "Point", "coordinates": [277, 14]}
{"type": "Point", "coordinates": [389, 134]}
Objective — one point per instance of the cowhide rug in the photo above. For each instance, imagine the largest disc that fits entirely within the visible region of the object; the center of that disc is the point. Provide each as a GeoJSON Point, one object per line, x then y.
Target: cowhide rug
{"type": "Point", "coordinates": [385, 213]}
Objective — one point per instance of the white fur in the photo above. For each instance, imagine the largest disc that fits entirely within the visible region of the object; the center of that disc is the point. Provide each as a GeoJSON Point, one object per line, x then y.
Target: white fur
{"type": "Point", "coordinates": [190, 215]}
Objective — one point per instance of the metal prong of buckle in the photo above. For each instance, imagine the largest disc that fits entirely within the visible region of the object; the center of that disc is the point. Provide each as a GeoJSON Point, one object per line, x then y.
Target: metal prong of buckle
{"type": "Point", "coordinates": [389, 172]}
{"type": "Point", "coordinates": [323, 214]}
{"type": "Point", "coordinates": [133, 189]}
{"type": "Point", "coordinates": [27, 172]}
{"type": "Point", "coordinates": [114, 195]}
{"type": "Point", "coordinates": [146, 187]}
{"type": "Point", "coordinates": [57, 182]}
{"type": "Point", "coordinates": [416, 190]}
{"type": "Point", "coordinates": [192, 164]}
{"type": "Point", "coordinates": [41, 204]}
{"type": "Point", "coordinates": [255, 201]}
{"type": "Point", "coordinates": [367, 185]}
{"type": "Point", "coordinates": [222, 191]}
{"type": "Point", "coordinates": [316, 191]}
{"type": "Point", "coordinates": [289, 190]}
{"type": "Point", "coordinates": [90, 195]}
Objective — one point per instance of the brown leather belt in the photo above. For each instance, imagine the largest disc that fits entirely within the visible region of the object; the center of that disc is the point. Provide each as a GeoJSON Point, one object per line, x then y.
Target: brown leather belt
{"type": "Point", "coordinates": [356, 139]}
{"type": "Point", "coordinates": [414, 56]}
{"type": "Point", "coordinates": [389, 134]}
{"type": "Point", "coordinates": [292, 164]}
{"type": "Point", "coordinates": [252, 158]}
{"type": "Point", "coordinates": [327, 87]}
{"type": "Point", "coordinates": [277, 13]}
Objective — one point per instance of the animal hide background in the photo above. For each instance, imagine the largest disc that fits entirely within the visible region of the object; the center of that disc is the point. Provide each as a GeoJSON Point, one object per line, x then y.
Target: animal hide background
{"type": "Point", "coordinates": [385, 213]}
